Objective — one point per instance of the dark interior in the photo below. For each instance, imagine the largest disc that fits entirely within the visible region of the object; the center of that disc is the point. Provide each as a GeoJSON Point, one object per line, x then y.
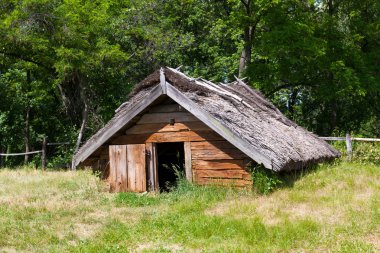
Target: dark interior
{"type": "Point", "coordinates": [169, 154]}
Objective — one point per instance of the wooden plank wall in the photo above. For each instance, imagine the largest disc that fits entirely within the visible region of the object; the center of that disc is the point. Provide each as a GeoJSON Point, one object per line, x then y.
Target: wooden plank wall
{"type": "Point", "coordinates": [213, 159]}
{"type": "Point", "coordinates": [118, 164]}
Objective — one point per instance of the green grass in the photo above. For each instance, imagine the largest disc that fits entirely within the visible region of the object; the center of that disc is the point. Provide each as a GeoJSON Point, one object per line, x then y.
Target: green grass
{"type": "Point", "coordinates": [333, 208]}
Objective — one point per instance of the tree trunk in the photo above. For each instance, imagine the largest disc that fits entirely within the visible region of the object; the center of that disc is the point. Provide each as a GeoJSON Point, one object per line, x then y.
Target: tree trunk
{"type": "Point", "coordinates": [330, 7]}
{"type": "Point", "coordinates": [84, 121]}
{"type": "Point", "coordinates": [245, 56]}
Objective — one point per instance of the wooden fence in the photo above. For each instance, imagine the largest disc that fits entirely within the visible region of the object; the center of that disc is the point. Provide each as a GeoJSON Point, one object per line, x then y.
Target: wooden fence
{"type": "Point", "coordinates": [42, 151]}
{"type": "Point", "coordinates": [348, 139]}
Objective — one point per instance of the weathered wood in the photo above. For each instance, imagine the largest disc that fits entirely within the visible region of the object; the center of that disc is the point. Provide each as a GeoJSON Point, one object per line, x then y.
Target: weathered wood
{"type": "Point", "coordinates": [167, 137]}
{"type": "Point", "coordinates": [212, 145]}
{"type": "Point", "coordinates": [16, 154]}
{"type": "Point", "coordinates": [162, 80]}
{"type": "Point", "coordinates": [225, 174]}
{"type": "Point", "coordinates": [214, 124]}
{"type": "Point", "coordinates": [216, 154]}
{"type": "Point", "coordinates": [352, 138]}
{"type": "Point", "coordinates": [180, 117]}
{"type": "Point", "coordinates": [118, 168]}
{"type": "Point", "coordinates": [188, 158]}
{"type": "Point", "coordinates": [132, 113]}
{"type": "Point", "coordinates": [167, 108]}
{"type": "Point", "coordinates": [333, 138]}
{"type": "Point", "coordinates": [136, 167]}
{"type": "Point", "coordinates": [165, 127]}
{"type": "Point", "coordinates": [349, 146]}
{"type": "Point", "coordinates": [219, 164]}
{"type": "Point", "coordinates": [43, 156]}
{"type": "Point", "coordinates": [151, 154]}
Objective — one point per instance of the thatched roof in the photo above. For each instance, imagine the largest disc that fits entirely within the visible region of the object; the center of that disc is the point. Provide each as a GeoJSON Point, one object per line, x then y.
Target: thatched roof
{"type": "Point", "coordinates": [237, 112]}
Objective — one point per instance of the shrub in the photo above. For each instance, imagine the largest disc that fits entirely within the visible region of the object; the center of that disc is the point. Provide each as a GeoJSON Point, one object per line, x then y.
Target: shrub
{"type": "Point", "coordinates": [363, 152]}
{"type": "Point", "coordinates": [264, 180]}
{"type": "Point", "coordinates": [366, 152]}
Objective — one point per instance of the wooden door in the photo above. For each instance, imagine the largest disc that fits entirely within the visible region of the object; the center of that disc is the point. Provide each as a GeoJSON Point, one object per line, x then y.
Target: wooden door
{"type": "Point", "coordinates": [118, 168]}
{"type": "Point", "coordinates": [151, 150]}
{"type": "Point", "coordinates": [127, 168]}
{"type": "Point", "coordinates": [136, 167]}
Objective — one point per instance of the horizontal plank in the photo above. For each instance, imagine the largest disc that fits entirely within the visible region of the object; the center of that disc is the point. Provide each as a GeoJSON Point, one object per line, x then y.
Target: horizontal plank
{"type": "Point", "coordinates": [167, 108]}
{"type": "Point", "coordinates": [218, 164]}
{"type": "Point", "coordinates": [167, 137]}
{"type": "Point", "coordinates": [224, 182]}
{"type": "Point", "coordinates": [165, 127]}
{"type": "Point", "coordinates": [212, 145]}
{"type": "Point", "coordinates": [166, 117]}
{"type": "Point", "coordinates": [216, 154]}
{"type": "Point", "coordinates": [226, 174]}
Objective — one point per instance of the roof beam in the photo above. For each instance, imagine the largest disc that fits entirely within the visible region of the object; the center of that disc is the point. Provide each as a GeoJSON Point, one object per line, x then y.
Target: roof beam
{"type": "Point", "coordinates": [162, 81]}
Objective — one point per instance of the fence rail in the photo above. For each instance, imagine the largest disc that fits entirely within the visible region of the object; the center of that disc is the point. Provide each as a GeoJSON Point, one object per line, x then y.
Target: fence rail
{"type": "Point", "coordinates": [43, 151]}
{"type": "Point", "coordinates": [26, 153]}
{"type": "Point", "coordinates": [352, 138]}
{"type": "Point", "coordinates": [348, 139]}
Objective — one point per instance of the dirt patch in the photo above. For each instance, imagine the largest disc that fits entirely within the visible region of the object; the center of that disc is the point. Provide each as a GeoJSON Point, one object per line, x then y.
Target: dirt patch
{"type": "Point", "coordinates": [374, 240]}
{"type": "Point", "coordinates": [154, 246]}
{"type": "Point", "coordinates": [84, 231]}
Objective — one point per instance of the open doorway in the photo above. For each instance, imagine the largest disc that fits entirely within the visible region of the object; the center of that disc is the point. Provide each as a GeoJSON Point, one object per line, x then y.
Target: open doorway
{"type": "Point", "coordinates": [171, 160]}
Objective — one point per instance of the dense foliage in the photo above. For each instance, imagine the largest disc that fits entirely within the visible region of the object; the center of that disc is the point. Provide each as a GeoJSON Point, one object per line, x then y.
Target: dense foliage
{"type": "Point", "coordinates": [65, 66]}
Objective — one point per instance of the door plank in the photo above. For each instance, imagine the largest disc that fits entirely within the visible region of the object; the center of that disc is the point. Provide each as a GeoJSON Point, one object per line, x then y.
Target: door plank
{"type": "Point", "coordinates": [136, 167]}
{"type": "Point", "coordinates": [118, 168]}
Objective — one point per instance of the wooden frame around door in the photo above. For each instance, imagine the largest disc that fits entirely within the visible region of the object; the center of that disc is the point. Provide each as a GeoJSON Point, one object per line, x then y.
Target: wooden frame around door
{"type": "Point", "coordinates": [152, 170]}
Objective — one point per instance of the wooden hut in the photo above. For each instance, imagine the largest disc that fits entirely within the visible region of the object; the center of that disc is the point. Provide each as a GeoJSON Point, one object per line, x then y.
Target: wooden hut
{"type": "Point", "coordinates": [216, 131]}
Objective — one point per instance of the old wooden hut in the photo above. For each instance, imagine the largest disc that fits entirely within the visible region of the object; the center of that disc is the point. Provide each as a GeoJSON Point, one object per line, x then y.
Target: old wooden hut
{"type": "Point", "coordinates": [214, 130]}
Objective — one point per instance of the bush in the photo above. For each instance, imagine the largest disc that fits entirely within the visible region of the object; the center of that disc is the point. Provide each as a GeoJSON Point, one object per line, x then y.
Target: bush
{"type": "Point", "coordinates": [363, 152]}
{"type": "Point", "coordinates": [366, 152]}
{"type": "Point", "coordinates": [264, 180]}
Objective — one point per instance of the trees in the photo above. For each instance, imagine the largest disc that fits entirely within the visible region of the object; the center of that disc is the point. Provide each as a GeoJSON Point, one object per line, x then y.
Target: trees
{"type": "Point", "coordinates": [67, 64]}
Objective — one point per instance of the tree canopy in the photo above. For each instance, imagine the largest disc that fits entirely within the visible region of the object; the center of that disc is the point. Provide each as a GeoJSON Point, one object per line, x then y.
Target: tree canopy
{"type": "Point", "coordinates": [65, 65]}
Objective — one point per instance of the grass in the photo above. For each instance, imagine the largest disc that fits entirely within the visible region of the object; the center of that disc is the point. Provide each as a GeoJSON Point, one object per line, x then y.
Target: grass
{"type": "Point", "coordinates": [333, 208]}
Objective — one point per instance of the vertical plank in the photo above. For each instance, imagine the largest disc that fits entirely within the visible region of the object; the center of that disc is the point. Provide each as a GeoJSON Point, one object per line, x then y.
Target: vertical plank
{"type": "Point", "coordinates": [188, 169]}
{"type": "Point", "coordinates": [118, 168]}
{"type": "Point", "coordinates": [112, 173]}
{"type": "Point", "coordinates": [155, 166]}
{"type": "Point", "coordinates": [136, 167]}
{"type": "Point", "coordinates": [152, 165]}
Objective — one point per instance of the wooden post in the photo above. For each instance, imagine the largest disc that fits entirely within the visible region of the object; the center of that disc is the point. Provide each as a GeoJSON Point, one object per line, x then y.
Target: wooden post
{"type": "Point", "coordinates": [188, 169]}
{"type": "Point", "coordinates": [349, 146]}
{"type": "Point", "coordinates": [43, 156]}
{"type": "Point", "coordinates": [152, 165]}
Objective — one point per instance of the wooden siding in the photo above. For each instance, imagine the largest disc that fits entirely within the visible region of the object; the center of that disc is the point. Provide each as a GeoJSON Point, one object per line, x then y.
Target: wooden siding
{"type": "Point", "coordinates": [213, 160]}
{"type": "Point", "coordinates": [219, 163]}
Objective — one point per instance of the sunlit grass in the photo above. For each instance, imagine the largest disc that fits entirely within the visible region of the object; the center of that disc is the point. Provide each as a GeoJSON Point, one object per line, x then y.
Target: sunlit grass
{"type": "Point", "coordinates": [331, 208]}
